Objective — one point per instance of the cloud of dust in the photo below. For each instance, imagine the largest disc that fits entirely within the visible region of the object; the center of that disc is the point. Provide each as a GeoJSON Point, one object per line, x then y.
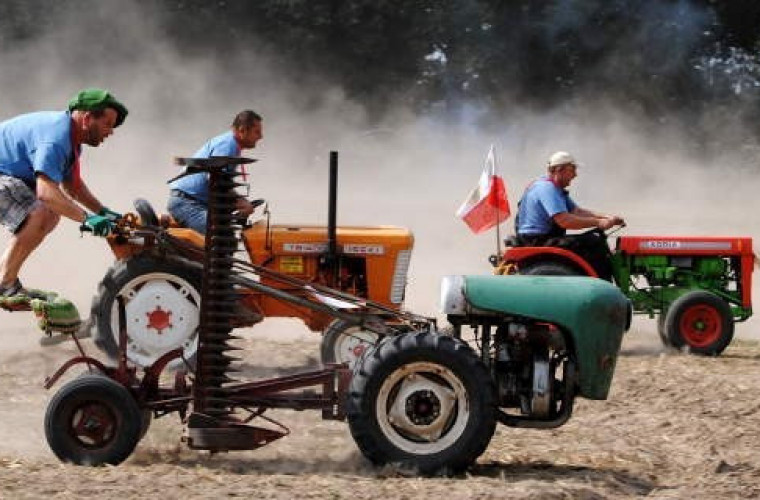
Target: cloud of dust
{"type": "Point", "coordinates": [409, 170]}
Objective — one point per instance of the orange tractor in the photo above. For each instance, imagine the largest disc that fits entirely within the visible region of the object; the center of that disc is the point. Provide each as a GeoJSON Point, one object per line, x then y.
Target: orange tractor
{"type": "Point", "coordinates": [162, 297]}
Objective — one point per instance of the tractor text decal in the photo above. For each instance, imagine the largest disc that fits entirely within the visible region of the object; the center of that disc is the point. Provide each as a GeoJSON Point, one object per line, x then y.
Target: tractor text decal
{"type": "Point", "coordinates": [685, 245]}
{"type": "Point", "coordinates": [304, 247]}
{"type": "Point", "coordinates": [364, 249]}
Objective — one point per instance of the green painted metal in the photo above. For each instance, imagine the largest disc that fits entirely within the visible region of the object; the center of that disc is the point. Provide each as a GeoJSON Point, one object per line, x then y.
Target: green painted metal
{"type": "Point", "coordinates": [54, 313]}
{"type": "Point", "coordinates": [592, 312]}
{"type": "Point", "coordinates": [664, 281]}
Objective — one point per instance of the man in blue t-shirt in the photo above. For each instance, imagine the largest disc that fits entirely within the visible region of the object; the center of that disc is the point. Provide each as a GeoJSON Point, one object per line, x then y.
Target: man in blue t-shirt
{"type": "Point", "coordinates": [546, 212]}
{"type": "Point", "coordinates": [188, 198]}
{"type": "Point", "coordinates": [40, 179]}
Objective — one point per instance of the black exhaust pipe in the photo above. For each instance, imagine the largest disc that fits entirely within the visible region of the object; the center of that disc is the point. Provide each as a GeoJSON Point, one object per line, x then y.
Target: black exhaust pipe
{"type": "Point", "coordinates": [332, 209]}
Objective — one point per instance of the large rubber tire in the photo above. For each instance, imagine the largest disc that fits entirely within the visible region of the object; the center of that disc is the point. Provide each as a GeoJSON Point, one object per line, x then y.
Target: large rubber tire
{"type": "Point", "coordinates": [157, 291]}
{"type": "Point", "coordinates": [423, 402]}
{"type": "Point", "coordinates": [344, 342]}
{"type": "Point", "coordinates": [701, 322]}
{"type": "Point", "coordinates": [92, 420]}
{"type": "Point", "coordinates": [661, 330]}
{"type": "Point", "coordinates": [549, 269]}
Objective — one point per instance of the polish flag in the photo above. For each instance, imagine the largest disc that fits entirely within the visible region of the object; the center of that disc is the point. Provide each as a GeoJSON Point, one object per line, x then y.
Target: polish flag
{"type": "Point", "coordinates": [487, 204]}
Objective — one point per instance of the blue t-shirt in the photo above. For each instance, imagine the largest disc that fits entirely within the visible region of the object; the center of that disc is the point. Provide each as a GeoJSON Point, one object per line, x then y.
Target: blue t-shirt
{"type": "Point", "coordinates": [196, 185]}
{"type": "Point", "coordinates": [542, 200]}
{"type": "Point", "coordinates": [37, 143]}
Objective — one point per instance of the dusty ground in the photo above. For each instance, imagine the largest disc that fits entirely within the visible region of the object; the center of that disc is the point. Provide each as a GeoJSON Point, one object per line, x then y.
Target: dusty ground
{"type": "Point", "coordinates": [676, 426]}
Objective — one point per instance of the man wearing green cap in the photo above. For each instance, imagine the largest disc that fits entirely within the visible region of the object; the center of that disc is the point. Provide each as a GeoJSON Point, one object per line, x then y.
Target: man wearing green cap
{"type": "Point", "coordinates": [40, 180]}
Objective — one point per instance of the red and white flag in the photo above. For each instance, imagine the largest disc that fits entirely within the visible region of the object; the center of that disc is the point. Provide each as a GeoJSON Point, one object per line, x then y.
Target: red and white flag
{"type": "Point", "coordinates": [487, 204]}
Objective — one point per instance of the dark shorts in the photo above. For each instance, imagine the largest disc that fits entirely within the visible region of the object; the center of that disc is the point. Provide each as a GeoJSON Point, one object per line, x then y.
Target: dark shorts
{"type": "Point", "coordinates": [17, 200]}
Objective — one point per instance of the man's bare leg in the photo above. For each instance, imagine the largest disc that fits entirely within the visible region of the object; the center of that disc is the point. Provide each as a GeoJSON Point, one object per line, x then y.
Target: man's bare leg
{"type": "Point", "coordinates": [37, 226]}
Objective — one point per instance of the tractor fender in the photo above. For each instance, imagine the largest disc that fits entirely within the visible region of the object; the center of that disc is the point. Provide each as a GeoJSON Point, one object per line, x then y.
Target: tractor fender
{"type": "Point", "coordinates": [525, 254]}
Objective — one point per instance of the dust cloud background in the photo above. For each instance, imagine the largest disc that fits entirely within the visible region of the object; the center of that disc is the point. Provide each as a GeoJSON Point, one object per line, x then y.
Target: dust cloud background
{"type": "Point", "coordinates": [409, 170]}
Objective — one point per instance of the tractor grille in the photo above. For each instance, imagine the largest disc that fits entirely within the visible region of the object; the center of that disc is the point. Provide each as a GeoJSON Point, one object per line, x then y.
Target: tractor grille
{"type": "Point", "coordinates": [398, 285]}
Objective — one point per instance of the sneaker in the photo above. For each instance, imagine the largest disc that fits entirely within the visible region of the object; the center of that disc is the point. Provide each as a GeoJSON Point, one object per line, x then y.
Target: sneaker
{"type": "Point", "coordinates": [11, 290]}
{"type": "Point", "coordinates": [16, 289]}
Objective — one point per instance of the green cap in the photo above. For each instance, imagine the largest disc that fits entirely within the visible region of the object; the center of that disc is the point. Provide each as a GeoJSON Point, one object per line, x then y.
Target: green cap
{"type": "Point", "coordinates": [97, 99]}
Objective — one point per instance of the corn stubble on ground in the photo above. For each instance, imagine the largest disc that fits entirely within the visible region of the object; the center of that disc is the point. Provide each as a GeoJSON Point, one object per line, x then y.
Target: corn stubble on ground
{"type": "Point", "coordinates": [676, 426]}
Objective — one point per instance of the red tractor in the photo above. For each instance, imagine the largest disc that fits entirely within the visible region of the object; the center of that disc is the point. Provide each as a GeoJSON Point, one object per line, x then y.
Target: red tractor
{"type": "Point", "coordinates": [696, 286]}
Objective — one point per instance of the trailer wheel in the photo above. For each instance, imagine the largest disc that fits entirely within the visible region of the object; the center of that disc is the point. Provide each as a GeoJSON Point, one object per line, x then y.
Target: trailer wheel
{"type": "Point", "coordinates": [162, 302]}
{"type": "Point", "coordinates": [93, 420]}
{"type": "Point", "coordinates": [549, 269]}
{"type": "Point", "coordinates": [344, 342]}
{"type": "Point", "coordinates": [423, 402]}
{"type": "Point", "coordinates": [700, 321]}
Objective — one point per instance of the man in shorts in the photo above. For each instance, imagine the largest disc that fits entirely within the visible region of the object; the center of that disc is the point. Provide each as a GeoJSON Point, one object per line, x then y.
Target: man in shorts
{"type": "Point", "coordinates": [40, 179]}
{"type": "Point", "coordinates": [188, 198]}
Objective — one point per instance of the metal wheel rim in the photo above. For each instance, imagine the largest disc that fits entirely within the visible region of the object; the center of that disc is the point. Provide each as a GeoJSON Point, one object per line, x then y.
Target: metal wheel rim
{"type": "Point", "coordinates": [435, 434]}
{"type": "Point", "coordinates": [351, 345]}
{"type": "Point", "coordinates": [92, 425]}
{"type": "Point", "coordinates": [701, 325]}
{"type": "Point", "coordinates": [177, 295]}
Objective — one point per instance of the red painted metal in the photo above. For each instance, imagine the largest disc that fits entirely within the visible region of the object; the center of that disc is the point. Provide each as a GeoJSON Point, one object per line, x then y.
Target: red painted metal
{"type": "Point", "coordinates": [520, 254]}
{"type": "Point", "coordinates": [701, 325]}
{"type": "Point", "coordinates": [159, 319]}
{"type": "Point", "coordinates": [52, 379]}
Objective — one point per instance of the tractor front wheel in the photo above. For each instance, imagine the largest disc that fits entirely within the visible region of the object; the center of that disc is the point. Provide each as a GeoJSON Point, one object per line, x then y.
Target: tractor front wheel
{"type": "Point", "coordinates": [701, 322]}
{"type": "Point", "coordinates": [548, 269]}
{"type": "Point", "coordinates": [93, 420]}
{"type": "Point", "coordinates": [423, 402]}
{"type": "Point", "coordinates": [344, 342]}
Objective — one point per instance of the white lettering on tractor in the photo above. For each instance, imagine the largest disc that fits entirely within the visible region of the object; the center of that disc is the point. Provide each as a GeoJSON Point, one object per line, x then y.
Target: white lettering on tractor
{"type": "Point", "coordinates": [685, 245]}
{"type": "Point", "coordinates": [356, 248]}
{"type": "Point", "coordinates": [304, 247]}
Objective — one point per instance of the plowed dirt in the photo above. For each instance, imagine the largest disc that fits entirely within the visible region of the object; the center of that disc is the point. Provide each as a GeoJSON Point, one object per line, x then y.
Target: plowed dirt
{"type": "Point", "coordinates": [675, 426]}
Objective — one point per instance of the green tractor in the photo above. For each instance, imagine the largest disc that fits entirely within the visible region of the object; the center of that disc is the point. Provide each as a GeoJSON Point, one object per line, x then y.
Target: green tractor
{"type": "Point", "coordinates": [697, 287]}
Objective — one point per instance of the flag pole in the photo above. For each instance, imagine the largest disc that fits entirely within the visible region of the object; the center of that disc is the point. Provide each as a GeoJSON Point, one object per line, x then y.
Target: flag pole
{"type": "Point", "coordinates": [496, 214]}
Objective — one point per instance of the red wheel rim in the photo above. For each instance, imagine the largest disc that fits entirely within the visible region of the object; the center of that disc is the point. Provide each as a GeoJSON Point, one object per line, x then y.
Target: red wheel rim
{"type": "Point", "coordinates": [93, 425]}
{"type": "Point", "coordinates": [701, 325]}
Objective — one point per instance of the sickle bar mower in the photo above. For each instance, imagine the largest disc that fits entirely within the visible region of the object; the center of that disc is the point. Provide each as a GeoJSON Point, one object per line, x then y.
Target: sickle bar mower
{"type": "Point", "coordinates": [99, 417]}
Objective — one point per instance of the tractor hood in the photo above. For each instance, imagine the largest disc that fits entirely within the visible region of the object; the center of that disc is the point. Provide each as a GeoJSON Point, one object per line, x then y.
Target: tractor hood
{"type": "Point", "coordinates": [593, 313]}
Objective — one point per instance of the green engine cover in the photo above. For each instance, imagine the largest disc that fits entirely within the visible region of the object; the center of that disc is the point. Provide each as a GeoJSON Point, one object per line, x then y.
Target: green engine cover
{"type": "Point", "coordinates": [592, 312]}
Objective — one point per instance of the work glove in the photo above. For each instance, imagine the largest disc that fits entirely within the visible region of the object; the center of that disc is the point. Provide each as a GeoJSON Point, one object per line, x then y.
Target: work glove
{"type": "Point", "coordinates": [98, 225]}
{"type": "Point", "coordinates": [109, 214]}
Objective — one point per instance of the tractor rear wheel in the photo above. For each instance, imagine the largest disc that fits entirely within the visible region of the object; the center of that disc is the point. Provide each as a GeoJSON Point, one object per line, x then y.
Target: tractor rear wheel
{"type": "Point", "coordinates": [701, 322]}
{"type": "Point", "coordinates": [162, 300]}
{"type": "Point", "coordinates": [549, 269]}
{"type": "Point", "coordinates": [93, 420]}
{"type": "Point", "coordinates": [423, 402]}
{"type": "Point", "coordinates": [344, 342]}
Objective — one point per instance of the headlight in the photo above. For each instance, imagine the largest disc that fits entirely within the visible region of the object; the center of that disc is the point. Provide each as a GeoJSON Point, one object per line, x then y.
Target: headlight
{"type": "Point", "coordinates": [452, 295]}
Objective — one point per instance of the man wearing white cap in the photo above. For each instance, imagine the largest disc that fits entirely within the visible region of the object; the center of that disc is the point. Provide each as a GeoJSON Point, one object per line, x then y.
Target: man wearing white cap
{"type": "Point", "coordinates": [546, 212]}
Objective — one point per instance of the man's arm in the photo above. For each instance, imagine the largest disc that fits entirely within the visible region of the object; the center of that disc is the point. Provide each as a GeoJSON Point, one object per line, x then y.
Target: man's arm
{"type": "Point", "coordinates": [51, 195]}
{"type": "Point", "coordinates": [581, 218]}
{"type": "Point", "coordinates": [81, 193]}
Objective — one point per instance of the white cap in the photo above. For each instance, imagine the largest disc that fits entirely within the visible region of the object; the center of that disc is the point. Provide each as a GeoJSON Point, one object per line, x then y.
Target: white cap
{"type": "Point", "coordinates": [561, 158]}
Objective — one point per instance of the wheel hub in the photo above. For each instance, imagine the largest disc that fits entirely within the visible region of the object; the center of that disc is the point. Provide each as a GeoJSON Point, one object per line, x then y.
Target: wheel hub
{"type": "Point", "coordinates": [159, 319]}
{"type": "Point", "coordinates": [93, 425]}
{"type": "Point", "coordinates": [700, 325]}
{"type": "Point", "coordinates": [423, 407]}
{"type": "Point", "coordinates": [162, 314]}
